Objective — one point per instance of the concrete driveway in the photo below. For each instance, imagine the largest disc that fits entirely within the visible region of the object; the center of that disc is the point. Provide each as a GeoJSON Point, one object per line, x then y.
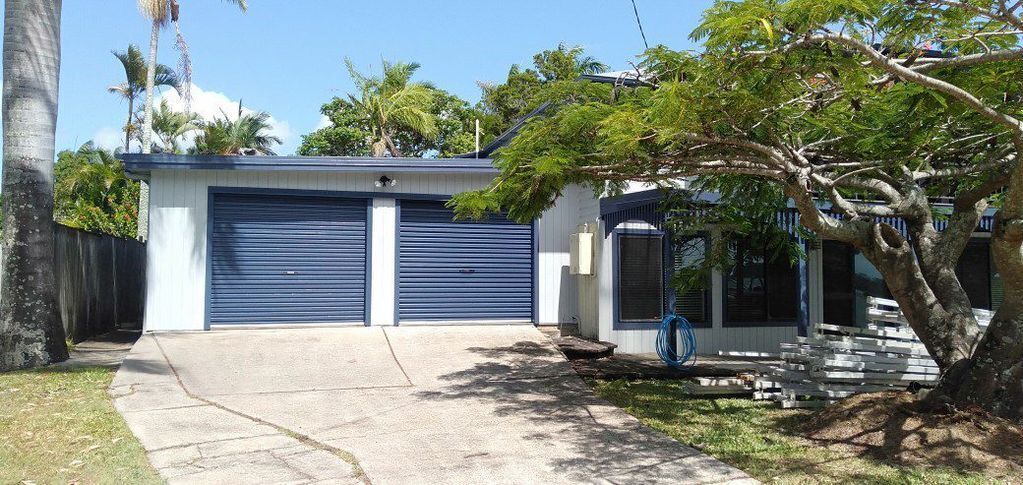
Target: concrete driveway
{"type": "Point", "coordinates": [487, 404]}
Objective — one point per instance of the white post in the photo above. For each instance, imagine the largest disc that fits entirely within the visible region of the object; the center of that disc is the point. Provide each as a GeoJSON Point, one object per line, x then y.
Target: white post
{"type": "Point", "coordinates": [382, 273]}
{"type": "Point", "coordinates": [477, 137]}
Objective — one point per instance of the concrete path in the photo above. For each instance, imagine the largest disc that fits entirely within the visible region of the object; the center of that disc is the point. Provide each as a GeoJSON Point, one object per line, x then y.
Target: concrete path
{"type": "Point", "coordinates": [494, 404]}
{"type": "Point", "coordinates": [107, 350]}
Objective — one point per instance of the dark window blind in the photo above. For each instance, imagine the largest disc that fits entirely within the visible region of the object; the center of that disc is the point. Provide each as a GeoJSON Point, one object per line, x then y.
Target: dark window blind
{"type": "Point", "coordinates": [692, 303]}
{"type": "Point", "coordinates": [640, 278]}
{"type": "Point", "coordinates": [759, 289]}
{"type": "Point", "coordinates": [975, 274]}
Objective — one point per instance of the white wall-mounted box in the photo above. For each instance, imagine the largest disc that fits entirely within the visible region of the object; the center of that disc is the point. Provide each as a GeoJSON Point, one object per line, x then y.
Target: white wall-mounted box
{"type": "Point", "coordinates": [581, 254]}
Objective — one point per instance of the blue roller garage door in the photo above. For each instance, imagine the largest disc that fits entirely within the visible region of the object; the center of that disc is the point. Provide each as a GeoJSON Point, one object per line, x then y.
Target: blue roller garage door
{"type": "Point", "coordinates": [462, 271]}
{"type": "Point", "coordinates": [287, 259]}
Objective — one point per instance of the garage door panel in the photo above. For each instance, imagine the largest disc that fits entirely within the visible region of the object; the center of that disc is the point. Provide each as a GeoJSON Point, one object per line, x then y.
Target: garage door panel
{"type": "Point", "coordinates": [462, 270]}
{"type": "Point", "coordinates": [287, 259]}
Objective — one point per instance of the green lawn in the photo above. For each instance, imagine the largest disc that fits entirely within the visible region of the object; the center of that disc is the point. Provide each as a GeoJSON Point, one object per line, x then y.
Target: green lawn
{"type": "Point", "coordinates": [754, 436]}
{"type": "Point", "coordinates": [59, 426]}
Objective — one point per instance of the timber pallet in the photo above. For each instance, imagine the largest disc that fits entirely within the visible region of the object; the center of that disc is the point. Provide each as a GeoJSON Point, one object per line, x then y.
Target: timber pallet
{"type": "Point", "coordinates": [836, 361]}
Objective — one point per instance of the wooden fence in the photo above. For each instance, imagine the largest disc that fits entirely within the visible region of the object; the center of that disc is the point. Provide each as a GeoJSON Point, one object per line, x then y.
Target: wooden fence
{"type": "Point", "coordinates": [101, 282]}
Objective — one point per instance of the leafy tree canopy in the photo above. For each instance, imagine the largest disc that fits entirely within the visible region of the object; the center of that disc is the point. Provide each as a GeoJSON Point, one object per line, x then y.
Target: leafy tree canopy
{"type": "Point", "coordinates": [355, 127]}
{"type": "Point", "coordinates": [91, 192]}
{"type": "Point", "coordinates": [853, 112]}
{"type": "Point", "coordinates": [349, 132]}
{"type": "Point", "coordinates": [526, 89]}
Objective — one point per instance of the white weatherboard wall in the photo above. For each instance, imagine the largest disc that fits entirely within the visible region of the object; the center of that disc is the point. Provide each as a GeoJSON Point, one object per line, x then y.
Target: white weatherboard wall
{"type": "Point", "coordinates": [176, 252]}
{"type": "Point", "coordinates": [588, 285]}
{"type": "Point", "coordinates": [557, 290]}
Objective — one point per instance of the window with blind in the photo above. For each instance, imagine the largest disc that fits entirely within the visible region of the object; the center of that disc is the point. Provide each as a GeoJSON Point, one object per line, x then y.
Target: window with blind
{"type": "Point", "coordinates": [847, 280]}
{"type": "Point", "coordinates": [760, 290]}
{"type": "Point", "coordinates": [694, 303]}
{"type": "Point", "coordinates": [978, 275]}
{"type": "Point", "coordinates": [640, 277]}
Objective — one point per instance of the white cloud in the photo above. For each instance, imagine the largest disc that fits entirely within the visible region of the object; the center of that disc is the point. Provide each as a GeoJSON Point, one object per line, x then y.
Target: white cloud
{"type": "Point", "coordinates": [211, 105]}
{"type": "Point", "coordinates": [109, 138]}
{"type": "Point", "coordinates": [322, 123]}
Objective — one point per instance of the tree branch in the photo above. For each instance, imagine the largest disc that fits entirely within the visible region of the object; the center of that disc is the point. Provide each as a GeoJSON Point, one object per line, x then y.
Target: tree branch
{"type": "Point", "coordinates": [1004, 17]}
{"type": "Point", "coordinates": [967, 60]}
{"type": "Point", "coordinates": [907, 74]}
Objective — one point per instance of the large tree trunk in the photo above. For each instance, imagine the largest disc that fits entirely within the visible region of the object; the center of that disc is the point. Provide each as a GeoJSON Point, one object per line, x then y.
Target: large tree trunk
{"type": "Point", "coordinates": [992, 378]}
{"type": "Point", "coordinates": [933, 300]}
{"type": "Point", "coordinates": [988, 374]}
{"type": "Point", "coordinates": [31, 332]}
{"type": "Point", "coordinates": [937, 308]}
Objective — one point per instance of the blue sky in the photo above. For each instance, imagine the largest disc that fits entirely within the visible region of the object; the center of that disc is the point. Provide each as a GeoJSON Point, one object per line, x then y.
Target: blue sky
{"type": "Point", "coordinates": [285, 57]}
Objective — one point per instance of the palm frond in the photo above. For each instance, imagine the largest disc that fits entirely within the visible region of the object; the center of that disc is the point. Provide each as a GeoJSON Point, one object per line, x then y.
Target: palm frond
{"type": "Point", "coordinates": [123, 89]}
{"type": "Point", "coordinates": [226, 137]}
{"type": "Point", "coordinates": [156, 10]}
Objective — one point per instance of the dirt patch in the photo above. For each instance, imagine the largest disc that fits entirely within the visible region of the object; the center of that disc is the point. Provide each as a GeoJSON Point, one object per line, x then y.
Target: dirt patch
{"type": "Point", "coordinates": [891, 426]}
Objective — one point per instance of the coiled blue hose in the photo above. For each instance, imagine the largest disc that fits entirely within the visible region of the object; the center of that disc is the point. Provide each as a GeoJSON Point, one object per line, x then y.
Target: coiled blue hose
{"type": "Point", "coordinates": [685, 354]}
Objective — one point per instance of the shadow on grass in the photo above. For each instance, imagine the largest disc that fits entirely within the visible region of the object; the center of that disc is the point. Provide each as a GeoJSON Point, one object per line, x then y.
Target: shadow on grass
{"type": "Point", "coordinates": [892, 427]}
{"type": "Point", "coordinates": [770, 443]}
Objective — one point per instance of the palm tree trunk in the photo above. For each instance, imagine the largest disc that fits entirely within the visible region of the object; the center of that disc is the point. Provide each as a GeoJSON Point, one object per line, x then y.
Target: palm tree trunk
{"type": "Point", "coordinates": [147, 119]}
{"type": "Point", "coordinates": [31, 332]}
{"type": "Point", "coordinates": [391, 147]}
{"type": "Point", "coordinates": [127, 126]}
{"type": "Point", "coordinates": [147, 130]}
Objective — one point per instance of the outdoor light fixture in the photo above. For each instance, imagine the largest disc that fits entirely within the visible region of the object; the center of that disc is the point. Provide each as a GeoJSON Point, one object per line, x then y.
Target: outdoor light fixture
{"type": "Point", "coordinates": [385, 181]}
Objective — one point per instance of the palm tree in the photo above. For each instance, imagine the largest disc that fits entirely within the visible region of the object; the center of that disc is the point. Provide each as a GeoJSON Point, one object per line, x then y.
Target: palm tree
{"type": "Point", "coordinates": [135, 83]}
{"type": "Point", "coordinates": [391, 102]}
{"type": "Point", "coordinates": [170, 126]}
{"type": "Point", "coordinates": [566, 63]}
{"type": "Point", "coordinates": [248, 134]}
{"type": "Point", "coordinates": [31, 333]}
{"type": "Point", "coordinates": [160, 12]}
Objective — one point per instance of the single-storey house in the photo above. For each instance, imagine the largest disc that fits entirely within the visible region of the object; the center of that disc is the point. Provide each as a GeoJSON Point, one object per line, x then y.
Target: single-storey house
{"type": "Point", "coordinates": [246, 241]}
{"type": "Point", "coordinates": [753, 306]}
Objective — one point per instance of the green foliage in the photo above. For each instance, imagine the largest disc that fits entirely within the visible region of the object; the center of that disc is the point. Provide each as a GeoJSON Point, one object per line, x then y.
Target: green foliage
{"type": "Point", "coordinates": [224, 136]}
{"type": "Point", "coordinates": [391, 108]}
{"type": "Point", "coordinates": [135, 69]}
{"type": "Point", "coordinates": [393, 115]}
{"type": "Point", "coordinates": [91, 192]}
{"type": "Point", "coordinates": [525, 90]}
{"type": "Point", "coordinates": [170, 126]}
{"type": "Point", "coordinates": [391, 102]}
{"type": "Point", "coordinates": [723, 118]}
{"type": "Point", "coordinates": [347, 134]}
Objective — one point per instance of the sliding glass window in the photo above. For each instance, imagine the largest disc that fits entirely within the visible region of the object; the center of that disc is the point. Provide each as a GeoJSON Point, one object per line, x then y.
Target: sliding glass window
{"type": "Point", "coordinates": [760, 289]}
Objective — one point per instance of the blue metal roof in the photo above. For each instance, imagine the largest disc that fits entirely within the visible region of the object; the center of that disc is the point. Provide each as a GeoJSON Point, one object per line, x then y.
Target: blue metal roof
{"type": "Point", "coordinates": [646, 206]}
{"type": "Point", "coordinates": [633, 200]}
{"type": "Point", "coordinates": [142, 164]}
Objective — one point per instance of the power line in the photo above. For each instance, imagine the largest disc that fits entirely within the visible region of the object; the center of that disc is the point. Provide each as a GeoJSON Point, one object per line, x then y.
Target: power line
{"type": "Point", "coordinates": [640, 24]}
